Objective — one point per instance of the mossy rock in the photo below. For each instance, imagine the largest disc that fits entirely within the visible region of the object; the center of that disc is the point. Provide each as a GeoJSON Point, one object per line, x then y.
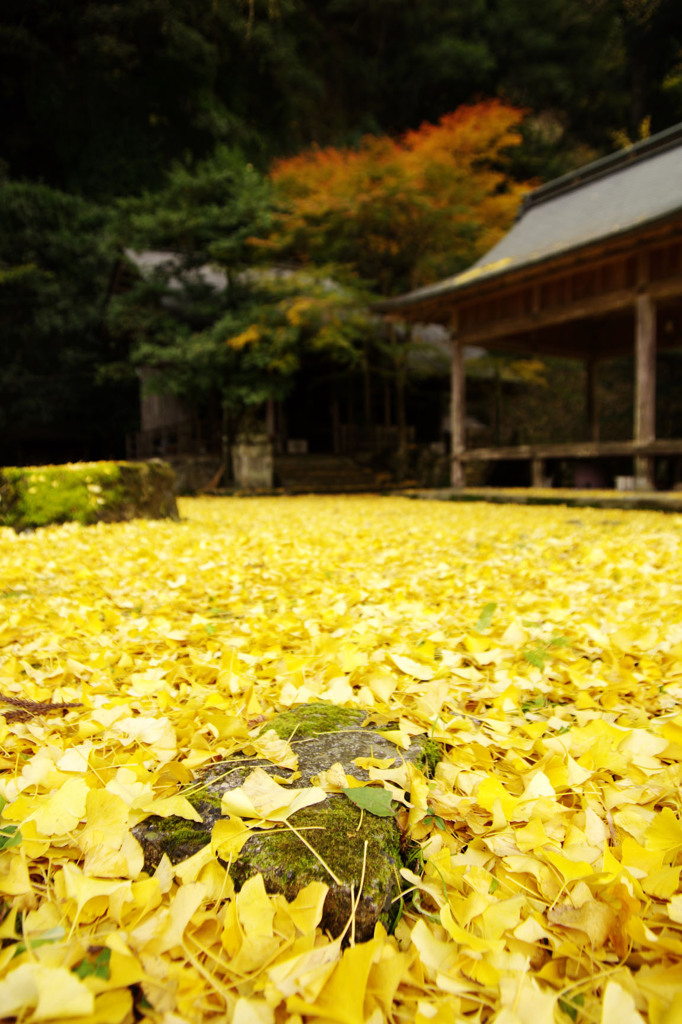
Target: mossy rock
{"type": "Point", "coordinates": [86, 492]}
{"type": "Point", "coordinates": [338, 831]}
{"type": "Point", "coordinates": [321, 735]}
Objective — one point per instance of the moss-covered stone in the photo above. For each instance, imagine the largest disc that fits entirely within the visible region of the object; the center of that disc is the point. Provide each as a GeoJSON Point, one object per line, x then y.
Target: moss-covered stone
{"type": "Point", "coordinates": [338, 832]}
{"type": "Point", "coordinates": [320, 735]}
{"type": "Point", "coordinates": [314, 720]}
{"type": "Point", "coordinates": [176, 837]}
{"type": "Point", "coordinates": [85, 492]}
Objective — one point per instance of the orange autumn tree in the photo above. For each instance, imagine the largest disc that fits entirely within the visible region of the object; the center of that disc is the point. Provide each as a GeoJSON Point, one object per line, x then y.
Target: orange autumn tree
{"type": "Point", "coordinates": [400, 213]}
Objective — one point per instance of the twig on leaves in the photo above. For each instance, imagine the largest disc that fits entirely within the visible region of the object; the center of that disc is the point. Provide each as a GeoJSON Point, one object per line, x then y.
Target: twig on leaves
{"type": "Point", "coordinates": [27, 709]}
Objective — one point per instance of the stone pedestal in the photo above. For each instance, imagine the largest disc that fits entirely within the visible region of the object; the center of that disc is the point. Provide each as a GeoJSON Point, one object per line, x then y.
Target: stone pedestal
{"type": "Point", "coordinates": [252, 462]}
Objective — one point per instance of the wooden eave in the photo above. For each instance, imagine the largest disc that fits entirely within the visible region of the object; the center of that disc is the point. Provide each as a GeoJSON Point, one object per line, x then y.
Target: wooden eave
{"type": "Point", "coordinates": [550, 306]}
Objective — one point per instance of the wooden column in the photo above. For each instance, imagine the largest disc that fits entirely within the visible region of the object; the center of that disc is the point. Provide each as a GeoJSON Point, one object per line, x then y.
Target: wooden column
{"type": "Point", "coordinates": [457, 415]}
{"type": "Point", "coordinates": [537, 470]}
{"type": "Point", "coordinates": [645, 383]}
{"type": "Point", "coordinates": [592, 403]}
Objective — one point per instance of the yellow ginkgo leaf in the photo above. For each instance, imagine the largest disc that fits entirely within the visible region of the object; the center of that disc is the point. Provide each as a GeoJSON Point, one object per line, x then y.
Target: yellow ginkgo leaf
{"type": "Point", "coordinates": [619, 1006]}
{"type": "Point", "coordinates": [46, 993]}
{"type": "Point", "coordinates": [664, 833]}
{"type": "Point", "coordinates": [307, 973]}
{"type": "Point", "coordinates": [280, 752]}
{"type": "Point", "coordinates": [171, 805]}
{"type": "Point", "coordinates": [333, 780]}
{"type": "Point", "coordinates": [410, 667]}
{"type": "Point", "coordinates": [252, 1011]}
{"type": "Point", "coordinates": [62, 811]}
{"type": "Point", "coordinates": [306, 909]}
{"type": "Point", "coordinates": [342, 998]}
{"type": "Point", "coordinates": [570, 870]}
{"type": "Point", "coordinates": [465, 938]}
{"type": "Point", "coordinates": [106, 821]}
{"type": "Point", "coordinates": [662, 883]}
{"type": "Point", "coordinates": [593, 918]}
{"type": "Point", "coordinates": [261, 797]}
{"type": "Point", "coordinates": [228, 836]}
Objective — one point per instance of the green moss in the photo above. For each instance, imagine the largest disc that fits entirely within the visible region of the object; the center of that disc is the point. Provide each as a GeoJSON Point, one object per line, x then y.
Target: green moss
{"type": "Point", "coordinates": [177, 837]}
{"type": "Point", "coordinates": [202, 798]}
{"type": "Point", "coordinates": [85, 493]}
{"type": "Point", "coordinates": [337, 830]}
{"type": "Point", "coordinates": [430, 756]}
{"type": "Point", "coordinates": [314, 720]}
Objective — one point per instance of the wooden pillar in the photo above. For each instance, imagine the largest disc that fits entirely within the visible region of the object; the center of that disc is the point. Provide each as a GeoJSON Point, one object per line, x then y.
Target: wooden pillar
{"type": "Point", "coordinates": [592, 403]}
{"type": "Point", "coordinates": [645, 384]}
{"type": "Point", "coordinates": [457, 415]}
{"type": "Point", "coordinates": [537, 468]}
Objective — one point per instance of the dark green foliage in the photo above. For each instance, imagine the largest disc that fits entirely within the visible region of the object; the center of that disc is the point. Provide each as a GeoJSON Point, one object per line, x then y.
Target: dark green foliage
{"type": "Point", "coordinates": [101, 97]}
{"type": "Point", "coordinates": [206, 209]}
{"type": "Point", "coordinates": [177, 316]}
{"type": "Point", "coordinates": [185, 318]}
{"type": "Point", "coordinates": [56, 265]}
{"type": "Point", "coordinates": [201, 218]}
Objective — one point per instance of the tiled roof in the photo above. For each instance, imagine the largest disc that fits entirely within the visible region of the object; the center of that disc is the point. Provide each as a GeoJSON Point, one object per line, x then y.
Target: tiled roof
{"type": "Point", "coordinates": [617, 194]}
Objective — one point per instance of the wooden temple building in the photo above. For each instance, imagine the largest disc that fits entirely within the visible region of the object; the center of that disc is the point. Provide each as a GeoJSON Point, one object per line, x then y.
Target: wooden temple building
{"type": "Point", "coordinates": [592, 269]}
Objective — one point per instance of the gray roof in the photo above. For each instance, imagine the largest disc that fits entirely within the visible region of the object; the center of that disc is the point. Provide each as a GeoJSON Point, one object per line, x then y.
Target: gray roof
{"type": "Point", "coordinates": [619, 193]}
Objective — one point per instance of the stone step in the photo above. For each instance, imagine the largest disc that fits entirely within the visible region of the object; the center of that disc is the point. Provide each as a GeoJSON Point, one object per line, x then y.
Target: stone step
{"type": "Point", "coordinates": [323, 474]}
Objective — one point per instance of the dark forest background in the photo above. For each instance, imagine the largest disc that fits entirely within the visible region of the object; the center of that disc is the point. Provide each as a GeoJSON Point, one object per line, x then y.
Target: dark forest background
{"type": "Point", "coordinates": [118, 113]}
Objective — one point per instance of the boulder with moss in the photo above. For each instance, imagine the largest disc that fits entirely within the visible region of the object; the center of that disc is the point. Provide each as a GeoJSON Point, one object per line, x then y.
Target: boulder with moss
{"type": "Point", "coordinates": [337, 830]}
{"type": "Point", "coordinates": [86, 492]}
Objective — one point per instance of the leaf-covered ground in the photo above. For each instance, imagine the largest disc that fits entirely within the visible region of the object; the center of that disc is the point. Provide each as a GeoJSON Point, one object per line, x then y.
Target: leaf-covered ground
{"type": "Point", "coordinates": [541, 647]}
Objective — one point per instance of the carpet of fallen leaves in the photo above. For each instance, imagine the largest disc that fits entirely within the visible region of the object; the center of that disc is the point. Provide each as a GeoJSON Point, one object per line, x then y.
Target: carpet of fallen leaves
{"type": "Point", "coordinates": [541, 647]}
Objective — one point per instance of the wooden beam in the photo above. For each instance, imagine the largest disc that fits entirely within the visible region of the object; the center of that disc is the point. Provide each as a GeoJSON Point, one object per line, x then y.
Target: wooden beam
{"type": "Point", "coordinates": [579, 450]}
{"type": "Point", "coordinates": [598, 306]}
{"type": "Point", "coordinates": [457, 415]}
{"type": "Point", "coordinates": [645, 383]}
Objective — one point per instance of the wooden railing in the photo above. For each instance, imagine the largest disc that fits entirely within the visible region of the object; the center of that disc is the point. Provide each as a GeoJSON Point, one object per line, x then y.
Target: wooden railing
{"type": "Point", "coordinates": [538, 454]}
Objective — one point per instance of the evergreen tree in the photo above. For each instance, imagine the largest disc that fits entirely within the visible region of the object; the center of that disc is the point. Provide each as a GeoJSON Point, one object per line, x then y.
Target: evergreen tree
{"type": "Point", "coordinates": [207, 323]}
{"type": "Point", "coordinates": [56, 265]}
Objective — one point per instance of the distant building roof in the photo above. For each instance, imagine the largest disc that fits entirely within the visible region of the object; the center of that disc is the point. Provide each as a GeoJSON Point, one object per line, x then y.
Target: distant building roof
{"type": "Point", "coordinates": [629, 189]}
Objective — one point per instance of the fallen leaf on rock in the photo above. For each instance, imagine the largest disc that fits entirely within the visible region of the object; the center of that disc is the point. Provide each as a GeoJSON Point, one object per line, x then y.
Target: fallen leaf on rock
{"type": "Point", "coordinates": [263, 798]}
{"type": "Point", "coordinates": [272, 748]}
{"type": "Point", "coordinates": [370, 798]}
